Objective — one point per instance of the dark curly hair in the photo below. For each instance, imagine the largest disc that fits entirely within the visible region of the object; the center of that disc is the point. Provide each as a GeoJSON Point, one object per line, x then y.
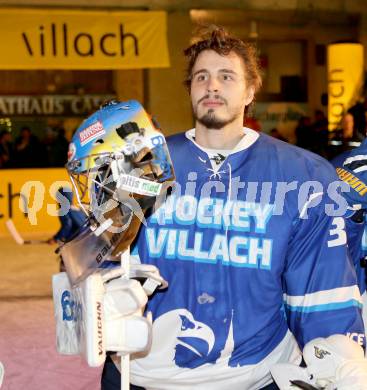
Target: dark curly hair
{"type": "Point", "coordinates": [218, 39]}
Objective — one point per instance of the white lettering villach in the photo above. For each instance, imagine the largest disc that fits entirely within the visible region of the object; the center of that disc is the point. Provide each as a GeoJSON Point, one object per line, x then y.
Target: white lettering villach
{"type": "Point", "coordinates": [57, 41]}
{"type": "Point", "coordinates": [238, 251]}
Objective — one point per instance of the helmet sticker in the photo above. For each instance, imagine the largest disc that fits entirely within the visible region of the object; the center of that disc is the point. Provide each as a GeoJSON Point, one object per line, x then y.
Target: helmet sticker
{"type": "Point", "coordinates": [139, 186]}
{"type": "Point", "coordinates": [71, 151]}
{"type": "Point", "coordinates": [90, 133]}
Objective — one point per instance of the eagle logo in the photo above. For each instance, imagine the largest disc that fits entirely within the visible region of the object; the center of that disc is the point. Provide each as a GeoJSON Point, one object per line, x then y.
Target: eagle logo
{"type": "Point", "coordinates": [189, 345]}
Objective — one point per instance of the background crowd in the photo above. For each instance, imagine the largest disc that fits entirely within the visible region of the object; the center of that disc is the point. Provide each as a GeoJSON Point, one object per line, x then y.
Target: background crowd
{"type": "Point", "coordinates": [28, 151]}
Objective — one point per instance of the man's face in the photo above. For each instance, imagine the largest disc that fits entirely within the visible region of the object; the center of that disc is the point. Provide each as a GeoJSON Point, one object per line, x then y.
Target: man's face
{"type": "Point", "coordinates": [219, 93]}
{"type": "Point", "coordinates": [25, 134]}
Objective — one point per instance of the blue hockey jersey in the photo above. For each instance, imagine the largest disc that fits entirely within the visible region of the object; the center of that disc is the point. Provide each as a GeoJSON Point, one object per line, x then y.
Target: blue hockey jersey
{"type": "Point", "coordinates": [357, 244]}
{"type": "Point", "coordinates": [357, 235]}
{"type": "Point", "coordinates": [250, 253]}
{"type": "Point", "coordinates": [71, 220]}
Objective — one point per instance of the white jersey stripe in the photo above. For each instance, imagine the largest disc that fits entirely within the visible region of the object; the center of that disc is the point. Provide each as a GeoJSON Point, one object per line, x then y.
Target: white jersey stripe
{"type": "Point", "coordinates": [333, 296]}
{"type": "Point", "coordinates": [355, 158]}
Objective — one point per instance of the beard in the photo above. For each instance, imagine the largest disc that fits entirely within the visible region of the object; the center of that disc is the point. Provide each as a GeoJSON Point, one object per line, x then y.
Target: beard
{"type": "Point", "coordinates": [211, 121]}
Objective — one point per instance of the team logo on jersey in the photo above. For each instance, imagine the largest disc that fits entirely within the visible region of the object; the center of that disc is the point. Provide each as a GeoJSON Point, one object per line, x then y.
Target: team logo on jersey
{"type": "Point", "coordinates": [196, 340]}
{"type": "Point", "coordinates": [321, 353]}
{"type": "Point", "coordinates": [193, 343]}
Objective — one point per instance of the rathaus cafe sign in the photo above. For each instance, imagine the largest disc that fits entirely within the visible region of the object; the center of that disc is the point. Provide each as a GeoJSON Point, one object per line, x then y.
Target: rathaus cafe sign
{"type": "Point", "coordinates": [51, 105]}
{"type": "Point", "coordinates": [68, 39]}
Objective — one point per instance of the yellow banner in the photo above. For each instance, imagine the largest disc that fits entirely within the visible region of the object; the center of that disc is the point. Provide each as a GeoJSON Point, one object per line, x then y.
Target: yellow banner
{"type": "Point", "coordinates": [68, 39]}
{"type": "Point", "coordinates": [345, 79]}
{"type": "Point", "coordinates": [27, 196]}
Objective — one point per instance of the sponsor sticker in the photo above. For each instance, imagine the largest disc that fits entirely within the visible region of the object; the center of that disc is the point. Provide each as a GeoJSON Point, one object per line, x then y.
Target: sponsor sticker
{"type": "Point", "coordinates": [139, 186]}
{"type": "Point", "coordinates": [90, 133]}
{"type": "Point", "coordinates": [71, 151]}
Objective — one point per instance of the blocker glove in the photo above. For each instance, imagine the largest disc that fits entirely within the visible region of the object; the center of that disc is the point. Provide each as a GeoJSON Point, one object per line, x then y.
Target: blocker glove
{"type": "Point", "coordinates": [333, 363]}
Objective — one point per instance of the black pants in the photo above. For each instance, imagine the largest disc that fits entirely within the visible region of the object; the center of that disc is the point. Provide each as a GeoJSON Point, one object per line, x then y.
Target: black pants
{"type": "Point", "coordinates": [111, 378]}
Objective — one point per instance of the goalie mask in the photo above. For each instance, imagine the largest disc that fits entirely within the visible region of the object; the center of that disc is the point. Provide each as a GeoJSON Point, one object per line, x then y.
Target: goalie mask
{"type": "Point", "coordinates": [119, 164]}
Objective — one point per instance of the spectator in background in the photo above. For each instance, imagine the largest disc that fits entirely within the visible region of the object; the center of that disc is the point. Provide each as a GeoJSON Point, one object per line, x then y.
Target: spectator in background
{"type": "Point", "coordinates": [346, 138]}
{"type": "Point", "coordinates": [59, 149]}
{"type": "Point", "coordinates": [6, 150]}
{"type": "Point", "coordinates": [252, 123]}
{"type": "Point", "coordinates": [275, 133]}
{"type": "Point", "coordinates": [304, 133]}
{"type": "Point", "coordinates": [358, 111]}
{"type": "Point", "coordinates": [347, 127]}
{"type": "Point", "coordinates": [29, 152]}
{"type": "Point", "coordinates": [48, 142]}
{"type": "Point", "coordinates": [320, 137]}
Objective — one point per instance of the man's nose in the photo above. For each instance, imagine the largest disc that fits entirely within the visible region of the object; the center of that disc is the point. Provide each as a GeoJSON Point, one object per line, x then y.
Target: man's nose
{"type": "Point", "coordinates": [213, 84]}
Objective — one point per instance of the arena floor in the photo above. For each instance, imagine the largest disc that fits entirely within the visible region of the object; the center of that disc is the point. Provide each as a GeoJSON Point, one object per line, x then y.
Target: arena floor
{"type": "Point", "coordinates": [27, 328]}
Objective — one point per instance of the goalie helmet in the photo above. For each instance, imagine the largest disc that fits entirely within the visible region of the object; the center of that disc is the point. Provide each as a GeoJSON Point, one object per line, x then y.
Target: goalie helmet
{"type": "Point", "coordinates": [119, 164]}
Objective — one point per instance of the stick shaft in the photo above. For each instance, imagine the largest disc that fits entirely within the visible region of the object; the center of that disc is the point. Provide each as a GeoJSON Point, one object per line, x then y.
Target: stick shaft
{"type": "Point", "coordinates": [125, 359]}
{"type": "Point", "coordinates": [125, 372]}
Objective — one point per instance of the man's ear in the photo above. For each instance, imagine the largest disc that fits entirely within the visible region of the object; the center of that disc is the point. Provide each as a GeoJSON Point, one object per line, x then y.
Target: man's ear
{"type": "Point", "coordinates": [250, 95]}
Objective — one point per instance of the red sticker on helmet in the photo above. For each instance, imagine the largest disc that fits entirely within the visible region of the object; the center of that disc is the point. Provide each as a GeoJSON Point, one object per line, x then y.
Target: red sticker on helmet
{"type": "Point", "coordinates": [91, 133]}
{"type": "Point", "coordinates": [71, 151]}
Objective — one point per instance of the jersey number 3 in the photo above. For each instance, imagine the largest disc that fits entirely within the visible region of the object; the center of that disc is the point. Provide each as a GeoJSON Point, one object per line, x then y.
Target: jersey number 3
{"type": "Point", "coordinates": [338, 231]}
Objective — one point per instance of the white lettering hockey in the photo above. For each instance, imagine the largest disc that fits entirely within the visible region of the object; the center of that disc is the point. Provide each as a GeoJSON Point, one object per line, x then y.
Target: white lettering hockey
{"type": "Point", "coordinates": [214, 213]}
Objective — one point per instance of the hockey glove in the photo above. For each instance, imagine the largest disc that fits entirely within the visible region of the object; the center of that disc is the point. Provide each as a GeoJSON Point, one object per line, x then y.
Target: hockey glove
{"type": "Point", "coordinates": [333, 363]}
{"type": "Point", "coordinates": [104, 313]}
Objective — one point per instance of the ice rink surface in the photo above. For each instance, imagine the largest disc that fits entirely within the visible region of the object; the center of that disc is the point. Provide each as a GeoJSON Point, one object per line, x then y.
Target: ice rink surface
{"type": "Point", "coordinates": [27, 327]}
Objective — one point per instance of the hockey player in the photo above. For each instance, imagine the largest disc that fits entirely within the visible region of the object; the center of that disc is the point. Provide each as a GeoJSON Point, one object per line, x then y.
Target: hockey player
{"type": "Point", "coordinates": [351, 166]}
{"type": "Point", "coordinates": [118, 163]}
{"type": "Point", "coordinates": [71, 218]}
{"type": "Point", "coordinates": [256, 265]}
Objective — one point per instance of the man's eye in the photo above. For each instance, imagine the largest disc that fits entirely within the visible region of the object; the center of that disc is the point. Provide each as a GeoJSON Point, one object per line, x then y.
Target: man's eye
{"type": "Point", "coordinates": [227, 77]}
{"type": "Point", "coordinates": [200, 77]}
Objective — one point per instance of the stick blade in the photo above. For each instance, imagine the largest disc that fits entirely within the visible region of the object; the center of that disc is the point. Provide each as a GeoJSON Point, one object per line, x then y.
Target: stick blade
{"type": "Point", "coordinates": [14, 232]}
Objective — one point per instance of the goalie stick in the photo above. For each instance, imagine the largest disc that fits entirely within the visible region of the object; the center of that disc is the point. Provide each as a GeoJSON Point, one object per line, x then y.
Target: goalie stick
{"type": "Point", "coordinates": [2, 371]}
{"type": "Point", "coordinates": [17, 237]}
{"type": "Point", "coordinates": [125, 358]}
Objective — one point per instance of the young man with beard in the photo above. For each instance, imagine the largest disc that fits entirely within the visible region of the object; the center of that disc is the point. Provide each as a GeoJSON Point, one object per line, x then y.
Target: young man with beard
{"type": "Point", "coordinates": [253, 275]}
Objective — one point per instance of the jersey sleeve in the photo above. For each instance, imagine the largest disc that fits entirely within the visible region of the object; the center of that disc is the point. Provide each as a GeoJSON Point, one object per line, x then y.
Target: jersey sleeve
{"type": "Point", "coordinates": [65, 229]}
{"type": "Point", "coordinates": [321, 295]}
{"type": "Point", "coordinates": [356, 233]}
{"type": "Point", "coordinates": [134, 253]}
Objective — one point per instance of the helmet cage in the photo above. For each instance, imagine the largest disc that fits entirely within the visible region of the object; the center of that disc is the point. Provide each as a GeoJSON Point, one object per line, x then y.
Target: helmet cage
{"type": "Point", "coordinates": [101, 186]}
